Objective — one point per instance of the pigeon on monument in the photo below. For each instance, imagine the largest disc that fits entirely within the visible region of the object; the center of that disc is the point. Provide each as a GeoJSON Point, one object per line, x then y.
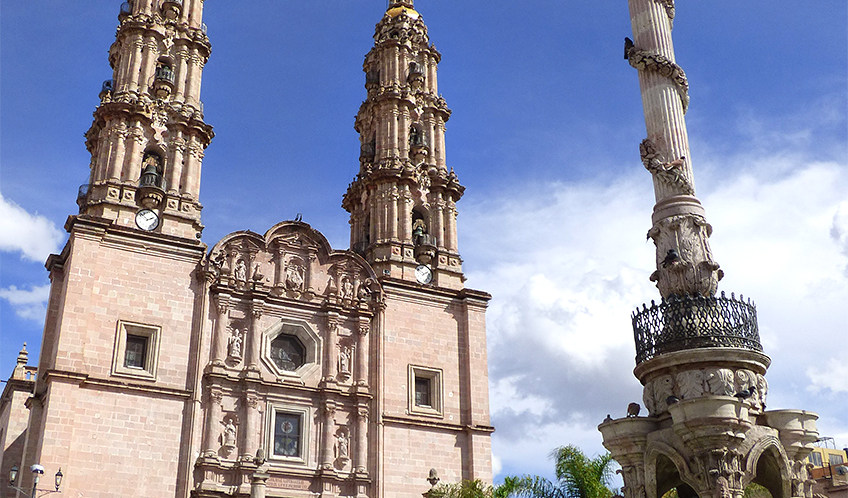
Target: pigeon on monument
{"type": "Point", "coordinates": [633, 409]}
{"type": "Point", "coordinates": [670, 257]}
{"type": "Point", "coordinates": [628, 44]}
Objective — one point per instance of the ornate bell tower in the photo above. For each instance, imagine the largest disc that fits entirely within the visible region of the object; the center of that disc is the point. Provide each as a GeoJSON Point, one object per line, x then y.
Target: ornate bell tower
{"type": "Point", "coordinates": [402, 203]}
{"type": "Point", "coordinates": [148, 135]}
{"type": "Point", "coordinates": [698, 355]}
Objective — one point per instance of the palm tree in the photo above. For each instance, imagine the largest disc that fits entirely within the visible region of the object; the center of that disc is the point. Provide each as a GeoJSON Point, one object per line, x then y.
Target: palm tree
{"type": "Point", "coordinates": [578, 476]}
{"type": "Point", "coordinates": [464, 489]}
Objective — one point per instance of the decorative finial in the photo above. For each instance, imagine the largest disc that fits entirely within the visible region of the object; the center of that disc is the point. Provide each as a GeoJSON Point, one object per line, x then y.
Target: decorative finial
{"type": "Point", "coordinates": [23, 356]}
{"type": "Point", "coordinates": [434, 477]}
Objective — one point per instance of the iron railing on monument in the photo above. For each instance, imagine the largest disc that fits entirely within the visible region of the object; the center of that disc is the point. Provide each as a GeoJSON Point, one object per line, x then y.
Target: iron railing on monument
{"type": "Point", "coordinates": [691, 322]}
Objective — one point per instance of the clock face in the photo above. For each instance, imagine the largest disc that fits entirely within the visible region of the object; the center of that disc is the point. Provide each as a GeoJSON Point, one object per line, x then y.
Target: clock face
{"type": "Point", "coordinates": [146, 219]}
{"type": "Point", "coordinates": [423, 274]}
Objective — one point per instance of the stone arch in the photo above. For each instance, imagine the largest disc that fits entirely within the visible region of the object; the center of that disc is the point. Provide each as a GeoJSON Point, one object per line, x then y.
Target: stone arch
{"type": "Point", "coordinates": [666, 468]}
{"type": "Point", "coordinates": [768, 465]}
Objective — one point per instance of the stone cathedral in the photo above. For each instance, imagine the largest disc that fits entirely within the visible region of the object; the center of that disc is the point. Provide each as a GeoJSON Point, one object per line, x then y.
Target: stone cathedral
{"type": "Point", "coordinates": [269, 364]}
{"type": "Point", "coordinates": [708, 432]}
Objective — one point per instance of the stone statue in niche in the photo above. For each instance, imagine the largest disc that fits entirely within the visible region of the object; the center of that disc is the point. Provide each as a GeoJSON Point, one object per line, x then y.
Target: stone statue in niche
{"type": "Point", "coordinates": [345, 358]}
{"type": "Point", "coordinates": [294, 276]}
{"type": "Point", "coordinates": [363, 293]}
{"type": "Point", "coordinates": [229, 436]}
{"type": "Point", "coordinates": [235, 345]}
{"type": "Point", "coordinates": [347, 288]}
{"type": "Point", "coordinates": [342, 444]}
{"type": "Point", "coordinates": [240, 272]}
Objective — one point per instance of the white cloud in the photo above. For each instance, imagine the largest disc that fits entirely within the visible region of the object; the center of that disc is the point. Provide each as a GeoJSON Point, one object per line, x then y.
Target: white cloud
{"type": "Point", "coordinates": [33, 235]}
{"type": "Point", "coordinates": [28, 304]}
{"type": "Point", "coordinates": [567, 264]}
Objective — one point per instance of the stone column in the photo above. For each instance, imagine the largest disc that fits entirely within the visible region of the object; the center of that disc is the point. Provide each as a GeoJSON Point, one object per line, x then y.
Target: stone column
{"type": "Point", "coordinates": [213, 423]}
{"type": "Point", "coordinates": [680, 230]}
{"type": "Point", "coordinates": [362, 348]}
{"type": "Point", "coordinates": [252, 421]}
{"type": "Point", "coordinates": [137, 44]}
{"type": "Point", "coordinates": [116, 159]}
{"type": "Point", "coordinates": [327, 435]}
{"type": "Point", "coordinates": [219, 347]}
{"type": "Point", "coordinates": [393, 217]}
{"type": "Point", "coordinates": [132, 160]}
{"type": "Point", "coordinates": [439, 220]}
{"type": "Point", "coordinates": [190, 97]}
{"type": "Point", "coordinates": [361, 463]}
{"type": "Point", "coordinates": [331, 345]}
{"type": "Point", "coordinates": [175, 169]}
{"type": "Point", "coordinates": [258, 482]}
{"type": "Point", "coordinates": [279, 270]}
{"type": "Point", "coordinates": [180, 74]}
{"type": "Point", "coordinates": [310, 262]}
{"type": "Point", "coordinates": [255, 336]}
{"type": "Point", "coordinates": [148, 65]}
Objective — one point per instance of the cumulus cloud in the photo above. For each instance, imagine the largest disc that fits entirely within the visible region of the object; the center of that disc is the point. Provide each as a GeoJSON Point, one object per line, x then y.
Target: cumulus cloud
{"type": "Point", "coordinates": [33, 235]}
{"type": "Point", "coordinates": [568, 263]}
{"type": "Point", "coordinates": [28, 304]}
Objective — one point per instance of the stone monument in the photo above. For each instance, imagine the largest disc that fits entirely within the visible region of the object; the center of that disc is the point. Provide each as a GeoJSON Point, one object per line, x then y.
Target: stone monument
{"type": "Point", "coordinates": [698, 353]}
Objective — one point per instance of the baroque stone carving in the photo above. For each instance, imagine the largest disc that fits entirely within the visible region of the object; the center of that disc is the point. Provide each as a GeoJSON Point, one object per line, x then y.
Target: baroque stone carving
{"type": "Point", "coordinates": [644, 60]}
{"type": "Point", "coordinates": [691, 384]}
{"type": "Point", "coordinates": [345, 361]}
{"type": "Point", "coordinates": [670, 173]}
{"type": "Point", "coordinates": [692, 270]}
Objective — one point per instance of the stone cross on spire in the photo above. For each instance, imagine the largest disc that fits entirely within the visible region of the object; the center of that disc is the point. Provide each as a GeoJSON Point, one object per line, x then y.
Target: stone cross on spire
{"type": "Point", "coordinates": [680, 230]}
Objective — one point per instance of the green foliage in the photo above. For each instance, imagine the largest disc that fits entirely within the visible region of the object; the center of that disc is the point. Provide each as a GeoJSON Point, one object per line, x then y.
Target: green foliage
{"type": "Point", "coordinates": [464, 489]}
{"type": "Point", "coordinates": [578, 476]}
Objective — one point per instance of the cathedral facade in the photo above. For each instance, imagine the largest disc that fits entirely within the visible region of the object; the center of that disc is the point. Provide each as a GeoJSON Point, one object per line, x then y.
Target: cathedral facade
{"type": "Point", "coordinates": [269, 364]}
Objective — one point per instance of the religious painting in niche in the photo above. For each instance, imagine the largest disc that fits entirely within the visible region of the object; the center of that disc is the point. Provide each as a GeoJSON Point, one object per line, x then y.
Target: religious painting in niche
{"type": "Point", "coordinates": [287, 352]}
{"type": "Point", "coordinates": [287, 434]}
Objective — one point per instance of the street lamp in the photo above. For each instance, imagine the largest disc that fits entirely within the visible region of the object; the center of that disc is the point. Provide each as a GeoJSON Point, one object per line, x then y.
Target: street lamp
{"type": "Point", "coordinates": [37, 471]}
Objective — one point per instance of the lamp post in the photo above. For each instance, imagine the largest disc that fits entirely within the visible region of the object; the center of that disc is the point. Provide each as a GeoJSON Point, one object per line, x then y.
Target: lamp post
{"type": "Point", "coordinates": [37, 471]}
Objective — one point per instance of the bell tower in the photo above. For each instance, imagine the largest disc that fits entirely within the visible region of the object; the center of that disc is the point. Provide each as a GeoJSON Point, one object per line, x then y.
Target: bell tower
{"type": "Point", "coordinates": [402, 204]}
{"type": "Point", "coordinates": [698, 353]}
{"type": "Point", "coordinates": [148, 135]}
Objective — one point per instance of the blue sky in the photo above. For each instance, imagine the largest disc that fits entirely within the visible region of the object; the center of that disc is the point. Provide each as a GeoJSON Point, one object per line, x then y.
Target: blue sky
{"type": "Point", "coordinates": [544, 134]}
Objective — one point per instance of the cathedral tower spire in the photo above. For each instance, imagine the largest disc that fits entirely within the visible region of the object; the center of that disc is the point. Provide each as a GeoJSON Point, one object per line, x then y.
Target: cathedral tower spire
{"type": "Point", "coordinates": [698, 355]}
{"type": "Point", "coordinates": [402, 203]}
{"type": "Point", "coordinates": [148, 135]}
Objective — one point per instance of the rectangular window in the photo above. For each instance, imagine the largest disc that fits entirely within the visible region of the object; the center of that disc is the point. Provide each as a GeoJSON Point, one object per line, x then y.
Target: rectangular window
{"type": "Point", "coordinates": [835, 459]}
{"type": "Point", "coordinates": [136, 350]}
{"type": "Point", "coordinates": [425, 391]}
{"type": "Point", "coordinates": [816, 458]}
{"type": "Point", "coordinates": [288, 433]}
{"type": "Point", "coordinates": [422, 392]}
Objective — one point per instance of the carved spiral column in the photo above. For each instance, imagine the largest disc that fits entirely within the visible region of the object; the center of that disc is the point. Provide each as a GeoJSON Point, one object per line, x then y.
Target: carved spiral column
{"type": "Point", "coordinates": [219, 348]}
{"type": "Point", "coordinates": [255, 336]}
{"type": "Point", "coordinates": [362, 349]}
{"type": "Point", "coordinates": [361, 465]}
{"type": "Point", "coordinates": [327, 435]}
{"type": "Point", "coordinates": [213, 419]}
{"type": "Point", "coordinates": [252, 421]}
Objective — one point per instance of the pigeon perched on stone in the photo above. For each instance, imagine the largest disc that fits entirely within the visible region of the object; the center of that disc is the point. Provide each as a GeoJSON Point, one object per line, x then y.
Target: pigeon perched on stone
{"type": "Point", "coordinates": [670, 257]}
{"type": "Point", "coordinates": [633, 409]}
{"type": "Point", "coordinates": [628, 45]}
{"type": "Point", "coordinates": [746, 393]}
{"type": "Point", "coordinates": [671, 400]}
